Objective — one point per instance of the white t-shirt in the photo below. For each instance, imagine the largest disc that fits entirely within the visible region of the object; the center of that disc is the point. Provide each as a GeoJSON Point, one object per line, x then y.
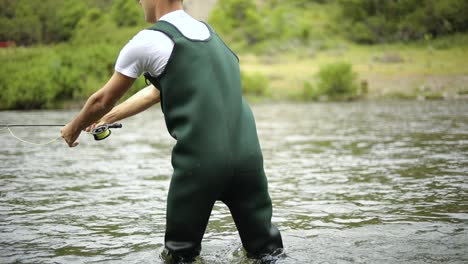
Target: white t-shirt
{"type": "Point", "coordinates": [149, 50]}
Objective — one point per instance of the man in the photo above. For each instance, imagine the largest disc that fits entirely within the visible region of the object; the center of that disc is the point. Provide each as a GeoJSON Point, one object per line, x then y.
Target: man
{"type": "Point", "coordinates": [217, 156]}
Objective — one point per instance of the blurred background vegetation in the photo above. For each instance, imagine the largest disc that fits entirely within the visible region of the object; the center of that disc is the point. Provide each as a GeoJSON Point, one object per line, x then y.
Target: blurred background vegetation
{"type": "Point", "coordinates": [294, 50]}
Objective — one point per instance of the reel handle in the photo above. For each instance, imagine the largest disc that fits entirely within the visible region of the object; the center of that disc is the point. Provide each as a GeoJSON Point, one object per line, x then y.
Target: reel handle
{"type": "Point", "coordinates": [114, 125]}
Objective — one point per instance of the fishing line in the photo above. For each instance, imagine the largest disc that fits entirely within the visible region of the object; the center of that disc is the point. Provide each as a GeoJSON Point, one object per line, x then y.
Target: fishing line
{"type": "Point", "coordinates": [99, 133]}
{"type": "Point", "coordinates": [8, 127]}
{"type": "Point", "coordinates": [32, 143]}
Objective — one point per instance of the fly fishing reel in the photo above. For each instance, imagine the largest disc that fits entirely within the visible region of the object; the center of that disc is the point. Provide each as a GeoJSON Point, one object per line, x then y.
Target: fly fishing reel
{"type": "Point", "coordinates": [102, 132]}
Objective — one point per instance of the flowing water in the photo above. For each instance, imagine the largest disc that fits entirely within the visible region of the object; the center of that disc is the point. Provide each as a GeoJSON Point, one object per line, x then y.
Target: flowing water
{"type": "Point", "coordinates": [361, 182]}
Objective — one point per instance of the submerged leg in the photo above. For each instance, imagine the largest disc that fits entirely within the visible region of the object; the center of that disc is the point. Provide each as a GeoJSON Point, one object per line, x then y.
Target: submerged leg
{"type": "Point", "coordinates": [189, 206]}
{"type": "Point", "coordinates": [251, 209]}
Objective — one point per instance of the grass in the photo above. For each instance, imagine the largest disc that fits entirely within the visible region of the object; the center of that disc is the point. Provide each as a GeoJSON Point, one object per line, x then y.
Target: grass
{"type": "Point", "coordinates": [418, 70]}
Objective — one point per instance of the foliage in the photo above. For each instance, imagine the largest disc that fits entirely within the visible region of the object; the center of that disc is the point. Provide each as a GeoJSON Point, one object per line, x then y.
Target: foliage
{"type": "Point", "coordinates": [336, 81]}
{"type": "Point", "coordinates": [51, 21]}
{"type": "Point", "coordinates": [16, 82]}
{"type": "Point", "coordinates": [266, 24]}
{"type": "Point", "coordinates": [244, 23]}
{"type": "Point", "coordinates": [126, 13]}
{"type": "Point", "coordinates": [83, 39]}
{"type": "Point", "coordinates": [240, 20]}
{"type": "Point", "coordinates": [370, 21]}
{"type": "Point", "coordinates": [286, 24]}
{"type": "Point", "coordinates": [45, 77]}
{"type": "Point", "coordinates": [254, 83]}
{"type": "Point", "coordinates": [47, 21]}
{"type": "Point", "coordinates": [94, 27]}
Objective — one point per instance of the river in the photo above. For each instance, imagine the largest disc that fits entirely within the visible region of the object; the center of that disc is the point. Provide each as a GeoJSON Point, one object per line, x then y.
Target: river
{"type": "Point", "coordinates": [358, 182]}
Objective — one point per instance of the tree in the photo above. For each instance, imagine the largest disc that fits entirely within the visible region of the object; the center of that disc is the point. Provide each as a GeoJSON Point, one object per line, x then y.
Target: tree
{"type": "Point", "coordinates": [47, 21]}
{"type": "Point", "coordinates": [374, 21]}
{"type": "Point", "coordinates": [126, 13]}
{"type": "Point", "coordinates": [238, 19]}
{"type": "Point", "coordinates": [26, 24]}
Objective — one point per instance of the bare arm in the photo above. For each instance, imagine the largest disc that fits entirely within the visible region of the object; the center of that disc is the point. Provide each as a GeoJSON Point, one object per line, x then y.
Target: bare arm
{"type": "Point", "coordinates": [97, 105]}
{"type": "Point", "coordinates": [138, 103]}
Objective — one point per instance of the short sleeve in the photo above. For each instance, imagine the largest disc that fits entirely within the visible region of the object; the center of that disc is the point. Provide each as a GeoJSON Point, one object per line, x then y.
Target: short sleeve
{"type": "Point", "coordinates": [148, 51]}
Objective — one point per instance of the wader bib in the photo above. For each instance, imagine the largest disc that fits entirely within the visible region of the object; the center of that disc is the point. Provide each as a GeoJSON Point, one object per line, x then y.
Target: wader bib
{"type": "Point", "coordinates": [217, 155]}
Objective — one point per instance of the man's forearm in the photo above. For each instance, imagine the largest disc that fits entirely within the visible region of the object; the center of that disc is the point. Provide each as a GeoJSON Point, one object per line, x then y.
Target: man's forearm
{"type": "Point", "coordinates": [98, 104]}
{"type": "Point", "coordinates": [92, 111]}
{"type": "Point", "coordinates": [137, 103]}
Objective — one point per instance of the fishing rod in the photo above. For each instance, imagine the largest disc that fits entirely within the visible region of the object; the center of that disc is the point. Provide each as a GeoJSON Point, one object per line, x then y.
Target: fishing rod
{"type": "Point", "coordinates": [8, 125]}
{"type": "Point", "coordinates": [99, 133]}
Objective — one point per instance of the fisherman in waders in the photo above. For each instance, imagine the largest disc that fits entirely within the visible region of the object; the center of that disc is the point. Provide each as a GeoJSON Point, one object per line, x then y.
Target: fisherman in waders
{"type": "Point", "coordinates": [196, 78]}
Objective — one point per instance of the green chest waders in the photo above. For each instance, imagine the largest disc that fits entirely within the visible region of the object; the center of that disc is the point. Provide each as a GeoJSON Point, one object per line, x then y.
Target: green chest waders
{"type": "Point", "coordinates": [217, 155]}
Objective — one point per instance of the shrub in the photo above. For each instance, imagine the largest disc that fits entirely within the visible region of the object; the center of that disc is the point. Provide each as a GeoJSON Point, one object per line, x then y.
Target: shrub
{"type": "Point", "coordinates": [336, 81]}
{"type": "Point", "coordinates": [370, 21]}
{"type": "Point", "coordinates": [126, 13]}
{"type": "Point", "coordinates": [238, 21]}
{"type": "Point", "coordinates": [95, 27]}
{"type": "Point", "coordinates": [36, 78]}
{"type": "Point", "coordinates": [254, 83]}
{"type": "Point", "coordinates": [309, 92]}
{"type": "Point", "coordinates": [24, 83]}
{"type": "Point", "coordinates": [47, 21]}
{"type": "Point", "coordinates": [262, 26]}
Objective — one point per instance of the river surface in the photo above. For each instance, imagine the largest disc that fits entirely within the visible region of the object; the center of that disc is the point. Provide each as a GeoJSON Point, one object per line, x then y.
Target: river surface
{"type": "Point", "coordinates": [361, 182]}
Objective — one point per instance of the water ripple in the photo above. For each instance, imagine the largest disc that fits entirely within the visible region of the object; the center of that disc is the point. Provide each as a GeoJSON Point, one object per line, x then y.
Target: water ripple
{"type": "Point", "coordinates": [363, 182]}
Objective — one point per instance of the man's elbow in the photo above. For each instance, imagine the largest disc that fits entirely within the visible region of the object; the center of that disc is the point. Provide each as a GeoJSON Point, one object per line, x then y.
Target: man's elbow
{"type": "Point", "coordinates": [101, 102]}
{"type": "Point", "coordinates": [153, 96]}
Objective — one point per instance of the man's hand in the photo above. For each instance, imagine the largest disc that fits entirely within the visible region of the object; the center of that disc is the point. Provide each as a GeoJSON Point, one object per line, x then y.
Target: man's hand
{"type": "Point", "coordinates": [70, 135]}
{"type": "Point", "coordinates": [97, 105]}
{"type": "Point", "coordinates": [90, 128]}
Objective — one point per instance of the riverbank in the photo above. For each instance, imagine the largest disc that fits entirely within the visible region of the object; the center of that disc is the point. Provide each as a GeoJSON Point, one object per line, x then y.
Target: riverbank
{"type": "Point", "coordinates": [405, 71]}
{"type": "Point", "coordinates": [58, 78]}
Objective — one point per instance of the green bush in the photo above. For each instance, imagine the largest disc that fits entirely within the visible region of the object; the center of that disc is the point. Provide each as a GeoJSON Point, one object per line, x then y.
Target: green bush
{"type": "Point", "coordinates": [336, 81]}
{"type": "Point", "coordinates": [370, 21]}
{"type": "Point", "coordinates": [254, 83]}
{"type": "Point", "coordinates": [126, 13]}
{"type": "Point", "coordinates": [46, 77]}
{"type": "Point", "coordinates": [47, 21]}
{"type": "Point", "coordinates": [36, 78]}
{"type": "Point", "coordinates": [238, 21]}
{"type": "Point", "coordinates": [24, 83]}
{"type": "Point", "coordinates": [270, 25]}
{"type": "Point", "coordinates": [309, 92]}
